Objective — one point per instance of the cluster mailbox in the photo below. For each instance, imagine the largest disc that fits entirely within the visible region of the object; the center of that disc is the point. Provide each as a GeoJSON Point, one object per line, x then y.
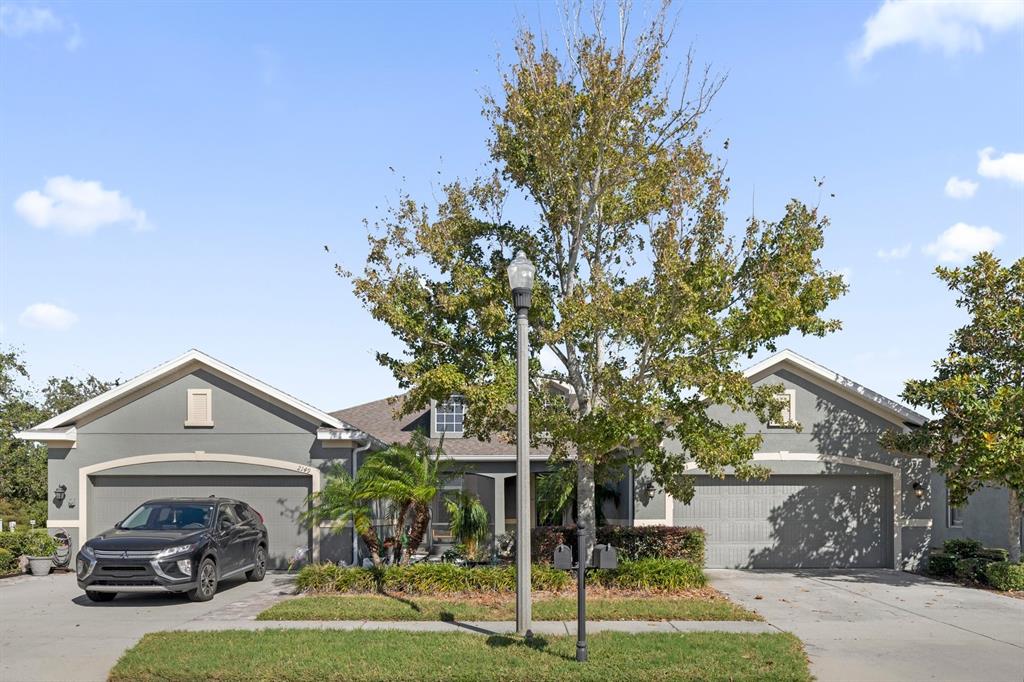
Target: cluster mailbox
{"type": "Point", "coordinates": [605, 556]}
{"type": "Point", "coordinates": [563, 557]}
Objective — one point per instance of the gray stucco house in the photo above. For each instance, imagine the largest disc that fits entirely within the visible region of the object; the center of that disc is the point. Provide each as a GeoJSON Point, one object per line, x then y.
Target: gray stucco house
{"type": "Point", "coordinates": [197, 426]}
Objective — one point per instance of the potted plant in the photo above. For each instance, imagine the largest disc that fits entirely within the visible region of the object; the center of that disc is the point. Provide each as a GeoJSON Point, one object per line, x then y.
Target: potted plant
{"type": "Point", "coordinates": [39, 549]}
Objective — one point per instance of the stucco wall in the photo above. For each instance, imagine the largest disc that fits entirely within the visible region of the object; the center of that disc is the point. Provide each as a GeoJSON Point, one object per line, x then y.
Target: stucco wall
{"type": "Point", "coordinates": [153, 423]}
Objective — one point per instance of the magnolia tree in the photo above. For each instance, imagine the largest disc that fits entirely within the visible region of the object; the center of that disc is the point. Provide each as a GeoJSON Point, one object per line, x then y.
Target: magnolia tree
{"type": "Point", "coordinates": [977, 392]}
{"type": "Point", "coordinates": [644, 301]}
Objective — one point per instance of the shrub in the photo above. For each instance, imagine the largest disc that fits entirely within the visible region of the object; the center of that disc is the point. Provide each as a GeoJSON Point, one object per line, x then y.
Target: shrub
{"type": "Point", "coordinates": [444, 578]}
{"type": "Point", "coordinates": [655, 575]}
{"type": "Point", "coordinates": [633, 543]}
{"type": "Point", "coordinates": [1003, 575]}
{"type": "Point", "coordinates": [971, 570]}
{"type": "Point", "coordinates": [14, 542]}
{"type": "Point", "coordinates": [8, 562]}
{"type": "Point", "coordinates": [994, 554]}
{"type": "Point", "coordinates": [961, 548]}
{"type": "Point", "coordinates": [941, 565]}
{"type": "Point", "coordinates": [36, 542]}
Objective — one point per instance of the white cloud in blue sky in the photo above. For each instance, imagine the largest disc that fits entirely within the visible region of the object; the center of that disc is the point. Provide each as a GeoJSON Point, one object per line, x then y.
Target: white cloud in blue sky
{"type": "Point", "coordinates": [19, 20]}
{"type": "Point", "coordinates": [961, 241]}
{"type": "Point", "coordinates": [48, 316]}
{"type": "Point", "coordinates": [78, 207]}
{"type": "Point", "coordinates": [957, 188]}
{"type": "Point", "coordinates": [1009, 166]}
{"type": "Point", "coordinates": [951, 26]}
{"type": "Point", "coordinates": [895, 253]}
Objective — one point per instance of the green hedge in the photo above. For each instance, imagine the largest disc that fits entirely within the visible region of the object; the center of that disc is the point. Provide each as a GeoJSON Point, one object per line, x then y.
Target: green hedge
{"type": "Point", "coordinates": [663, 575]}
{"type": "Point", "coordinates": [8, 562]}
{"type": "Point", "coordinates": [962, 548]}
{"type": "Point", "coordinates": [941, 565]}
{"type": "Point", "coordinates": [971, 570]}
{"type": "Point", "coordinates": [26, 542]}
{"type": "Point", "coordinates": [1003, 575]}
{"type": "Point", "coordinates": [632, 543]}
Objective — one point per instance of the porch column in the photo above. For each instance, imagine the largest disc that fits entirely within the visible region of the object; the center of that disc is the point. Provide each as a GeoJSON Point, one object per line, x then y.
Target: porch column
{"type": "Point", "coordinates": [498, 513]}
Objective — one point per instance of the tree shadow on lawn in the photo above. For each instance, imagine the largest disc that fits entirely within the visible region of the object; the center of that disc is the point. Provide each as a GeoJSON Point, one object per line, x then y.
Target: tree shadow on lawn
{"type": "Point", "coordinates": [536, 643]}
{"type": "Point", "coordinates": [404, 600]}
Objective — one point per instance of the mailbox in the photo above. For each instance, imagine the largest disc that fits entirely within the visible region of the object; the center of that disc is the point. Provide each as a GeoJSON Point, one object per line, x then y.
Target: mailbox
{"type": "Point", "coordinates": [563, 557]}
{"type": "Point", "coordinates": [605, 556]}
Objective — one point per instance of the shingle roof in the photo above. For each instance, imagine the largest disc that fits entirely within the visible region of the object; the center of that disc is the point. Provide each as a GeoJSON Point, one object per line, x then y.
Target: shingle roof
{"type": "Point", "coordinates": [379, 419]}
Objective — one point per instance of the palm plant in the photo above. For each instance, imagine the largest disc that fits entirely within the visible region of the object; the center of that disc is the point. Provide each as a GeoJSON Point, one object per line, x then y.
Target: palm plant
{"type": "Point", "coordinates": [469, 520]}
{"type": "Point", "coordinates": [556, 490]}
{"type": "Point", "coordinates": [339, 503]}
{"type": "Point", "coordinates": [409, 477]}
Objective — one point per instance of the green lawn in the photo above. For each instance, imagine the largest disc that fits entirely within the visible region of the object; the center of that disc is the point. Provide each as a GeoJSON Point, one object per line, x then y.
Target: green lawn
{"type": "Point", "coordinates": [385, 607]}
{"type": "Point", "coordinates": [283, 655]}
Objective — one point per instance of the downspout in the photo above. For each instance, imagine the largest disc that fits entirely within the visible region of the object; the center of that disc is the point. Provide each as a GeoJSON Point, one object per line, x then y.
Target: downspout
{"type": "Point", "coordinates": [355, 467]}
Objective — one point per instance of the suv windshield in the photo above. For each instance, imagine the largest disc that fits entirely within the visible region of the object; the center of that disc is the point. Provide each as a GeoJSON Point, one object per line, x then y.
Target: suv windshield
{"type": "Point", "coordinates": [169, 516]}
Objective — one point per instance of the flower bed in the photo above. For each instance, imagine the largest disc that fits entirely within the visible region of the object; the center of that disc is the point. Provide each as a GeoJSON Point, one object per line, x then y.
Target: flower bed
{"type": "Point", "coordinates": [646, 575]}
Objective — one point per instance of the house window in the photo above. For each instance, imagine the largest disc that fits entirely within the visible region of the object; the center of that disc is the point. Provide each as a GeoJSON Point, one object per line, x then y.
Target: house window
{"type": "Point", "coordinates": [448, 416]}
{"type": "Point", "coordinates": [788, 400]}
{"type": "Point", "coordinates": [954, 516]}
{"type": "Point", "coordinates": [199, 407]}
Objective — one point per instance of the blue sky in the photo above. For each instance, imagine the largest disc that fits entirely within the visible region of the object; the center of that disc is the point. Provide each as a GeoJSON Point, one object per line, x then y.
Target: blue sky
{"type": "Point", "coordinates": [169, 173]}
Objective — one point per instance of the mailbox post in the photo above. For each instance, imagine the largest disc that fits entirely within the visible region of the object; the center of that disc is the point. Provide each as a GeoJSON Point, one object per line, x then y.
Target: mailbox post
{"type": "Point", "coordinates": [604, 557]}
{"type": "Point", "coordinates": [581, 594]}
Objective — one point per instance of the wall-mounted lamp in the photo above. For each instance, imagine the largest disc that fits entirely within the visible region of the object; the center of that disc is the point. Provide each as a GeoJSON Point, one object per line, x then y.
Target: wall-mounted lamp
{"type": "Point", "coordinates": [649, 489]}
{"type": "Point", "coordinates": [59, 494]}
{"type": "Point", "coordinates": [918, 489]}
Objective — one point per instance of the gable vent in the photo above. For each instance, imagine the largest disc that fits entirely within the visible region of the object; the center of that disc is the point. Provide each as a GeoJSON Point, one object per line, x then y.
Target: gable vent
{"type": "Point", "coordinates": [199, 409]}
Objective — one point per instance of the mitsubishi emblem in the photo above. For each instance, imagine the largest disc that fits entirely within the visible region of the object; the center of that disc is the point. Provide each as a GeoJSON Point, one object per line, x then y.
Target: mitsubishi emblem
{"type": "Point", "coordinates": [124, 554]}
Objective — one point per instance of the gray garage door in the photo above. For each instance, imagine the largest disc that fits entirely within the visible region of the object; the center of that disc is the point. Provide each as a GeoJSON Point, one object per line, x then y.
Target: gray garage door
{"type": "Point", "coordinates": [832, 521]}
{"type": "Point", "coordinates": [278, 498]}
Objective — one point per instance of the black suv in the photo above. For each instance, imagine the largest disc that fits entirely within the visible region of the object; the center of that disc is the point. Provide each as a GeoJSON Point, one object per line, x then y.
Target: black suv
{"type": "Point", "coordinates": [179, 544]}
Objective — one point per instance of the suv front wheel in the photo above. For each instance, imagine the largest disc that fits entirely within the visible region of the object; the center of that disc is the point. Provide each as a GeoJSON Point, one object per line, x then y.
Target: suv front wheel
{"type": "Point", "coordinates": [206, 581]}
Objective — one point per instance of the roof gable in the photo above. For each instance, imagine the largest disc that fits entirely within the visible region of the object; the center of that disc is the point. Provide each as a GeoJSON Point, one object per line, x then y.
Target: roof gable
{"type": "Point", "coordinates": [188, 362]}
{"type": "Point", "coordinates": [857, 393]}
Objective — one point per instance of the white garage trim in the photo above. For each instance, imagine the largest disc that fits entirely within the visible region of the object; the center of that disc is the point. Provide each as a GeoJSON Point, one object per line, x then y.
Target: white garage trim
{"type": "Point", "coordinates": [898, 522]}
{"type": "Point", "coordinates": [198, 456]}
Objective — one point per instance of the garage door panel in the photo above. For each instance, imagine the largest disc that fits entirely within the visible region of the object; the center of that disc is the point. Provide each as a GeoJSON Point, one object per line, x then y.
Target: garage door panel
{"type": "Point", "coordinates": [838, 521]}
{"type": "Point", "coordinates": [279, 499]}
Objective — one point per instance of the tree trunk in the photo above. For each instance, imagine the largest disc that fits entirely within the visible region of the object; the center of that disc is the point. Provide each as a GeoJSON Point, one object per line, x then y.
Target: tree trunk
{"type": "Point", "coordinates": [586, 512]}
{"type": "Point", "coordinates": [396, 556]}
{"type": "Point", "coordinates": [372, 543]}
{"type": "Point", "coordinates": [419, 528]}
{"type": "Point", "coordinates": [1015, 514]}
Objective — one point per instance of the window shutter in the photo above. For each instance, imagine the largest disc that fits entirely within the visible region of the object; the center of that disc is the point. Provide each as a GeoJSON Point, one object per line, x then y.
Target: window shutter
{"type": "Point", "coordinates": [199, 411]}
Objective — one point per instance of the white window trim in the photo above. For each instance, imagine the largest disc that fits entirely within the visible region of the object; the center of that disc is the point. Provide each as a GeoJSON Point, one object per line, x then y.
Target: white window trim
{"type": "Point", "coordinates": [789, 394]}
{"type": "Point", "coordinates": [192, 392]}
{"type": "Point", "coordinates": [434, 433]}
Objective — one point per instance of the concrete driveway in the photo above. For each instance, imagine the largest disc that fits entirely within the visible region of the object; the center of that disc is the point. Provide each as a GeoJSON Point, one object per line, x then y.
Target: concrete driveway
{"type": "Point", "coordinates": [49, 630]}
{"type": "Point", "coordinates": [867, 625]}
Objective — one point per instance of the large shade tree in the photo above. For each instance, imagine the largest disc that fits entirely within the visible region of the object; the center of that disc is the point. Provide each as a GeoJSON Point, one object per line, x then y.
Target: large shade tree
{"type": "Point", "coordinates": [644, 300]}
{"type": "Point", "coordinates": [977, 391]}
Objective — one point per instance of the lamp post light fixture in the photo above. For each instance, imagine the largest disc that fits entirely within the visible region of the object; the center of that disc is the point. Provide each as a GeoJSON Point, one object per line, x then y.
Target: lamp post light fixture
{"type": "Point", "coordinates": [521, 273]}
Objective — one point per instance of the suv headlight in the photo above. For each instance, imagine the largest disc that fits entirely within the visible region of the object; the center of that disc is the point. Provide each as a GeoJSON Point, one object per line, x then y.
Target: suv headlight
{"type": "Point", "coordinates": [171, 551]}
{"type": "Point", "coordinates": [87, 553]}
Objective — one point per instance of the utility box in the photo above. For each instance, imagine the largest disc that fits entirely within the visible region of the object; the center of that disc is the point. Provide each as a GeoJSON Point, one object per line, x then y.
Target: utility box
{"type": "Point", "coordinates": [605, 556]}
{"type": "Point", "coordinates": [563, 557]}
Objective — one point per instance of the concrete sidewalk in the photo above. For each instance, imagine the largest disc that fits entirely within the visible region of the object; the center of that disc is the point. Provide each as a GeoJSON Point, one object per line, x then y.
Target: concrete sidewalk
{"type": "Point", "coordinates": [549, 627]}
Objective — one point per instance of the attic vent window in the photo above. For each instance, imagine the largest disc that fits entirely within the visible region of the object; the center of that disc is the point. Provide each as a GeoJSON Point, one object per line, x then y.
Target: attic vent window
{"type": "Point", "coordinates": [788, 400]}
{"type": "Point", "coordinates": [199, 408]}
{"type": "Point", "coordinates": [448, 416]}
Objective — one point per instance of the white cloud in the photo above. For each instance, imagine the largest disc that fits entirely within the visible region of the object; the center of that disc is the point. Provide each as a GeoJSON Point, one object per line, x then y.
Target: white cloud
{"type": "Point", "coordinates": [19, 21]}
{"type": "Point", "coordinates": [1009, 166]}
{"type": "Point", "coordinates": [47, 316]}
{"type": "Point", "coordinates": [78, 207]}
{"type": "Point", "coordinates": [961, 241]}
{"type": "Point", "coordinates": [960, 189]}
{"type": "Point", "coordinates": [895, 253]}
{"type": "Point", "coordinates": [949, 25]}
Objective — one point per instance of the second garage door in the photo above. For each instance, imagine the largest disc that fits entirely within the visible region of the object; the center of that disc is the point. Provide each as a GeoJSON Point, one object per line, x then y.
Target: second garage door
{"type": "Point", "coordinates": [279, 499]}
{"type": "Point", "coordinates": [820, 521]}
